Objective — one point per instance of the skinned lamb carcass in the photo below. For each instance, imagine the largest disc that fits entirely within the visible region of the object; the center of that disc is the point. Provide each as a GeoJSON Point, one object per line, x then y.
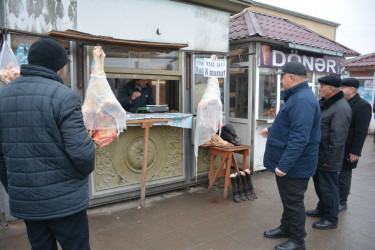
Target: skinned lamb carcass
{"type": "Point", "coordinates": [103, 115]}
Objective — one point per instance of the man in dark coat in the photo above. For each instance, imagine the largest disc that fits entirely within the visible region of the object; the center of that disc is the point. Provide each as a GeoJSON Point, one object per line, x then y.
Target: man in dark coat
{"type": "Point", "coordinates": [136, 93]}
{"type": "Point", "coordinates": [46, 154]}
{"type": "Point", "coordinates": [361, 117]}
{"type": "Point", "coordinates": [292, 152]}
{"type": "Point", "coordinates": [335, 121]}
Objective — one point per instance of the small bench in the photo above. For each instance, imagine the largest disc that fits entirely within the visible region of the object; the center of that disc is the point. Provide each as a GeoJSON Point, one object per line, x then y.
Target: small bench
{"type": "Point", "coordinates": [227, 157]}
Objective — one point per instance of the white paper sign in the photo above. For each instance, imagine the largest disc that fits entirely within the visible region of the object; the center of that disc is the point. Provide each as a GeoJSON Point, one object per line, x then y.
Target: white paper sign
{"type": "Point", "coordinates": [217, 68]}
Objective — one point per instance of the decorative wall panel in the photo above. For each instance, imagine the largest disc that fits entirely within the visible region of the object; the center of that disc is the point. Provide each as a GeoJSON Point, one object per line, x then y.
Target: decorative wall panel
{"type": "Point", "coordinates": [120, 163]}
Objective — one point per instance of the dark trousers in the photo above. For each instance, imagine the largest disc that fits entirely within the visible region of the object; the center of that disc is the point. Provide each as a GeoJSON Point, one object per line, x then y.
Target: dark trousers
{"type": "Point", "coordinates": [327, 189]}
{"type": "Point", "coordinates": [345, 182]}
{"type": "Point", "coordinates": [292, 193]}
{"type": "Point", "coordinates": [72, 232]}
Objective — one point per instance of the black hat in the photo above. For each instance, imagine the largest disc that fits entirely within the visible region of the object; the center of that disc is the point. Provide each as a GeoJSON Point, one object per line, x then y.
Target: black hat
{"type": "Point", "coordinates": [48, 53]}
{"type": "Point", "coordinates": [332, 80]}
{"type": "Point", "coordinates": [352, 82]}
{"type": "Point", "coordinates": [295, 68]}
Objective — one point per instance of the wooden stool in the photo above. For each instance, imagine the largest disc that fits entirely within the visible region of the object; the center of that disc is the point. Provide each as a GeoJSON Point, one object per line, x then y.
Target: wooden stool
{"type": "Point", "coordinates": [227, 157]}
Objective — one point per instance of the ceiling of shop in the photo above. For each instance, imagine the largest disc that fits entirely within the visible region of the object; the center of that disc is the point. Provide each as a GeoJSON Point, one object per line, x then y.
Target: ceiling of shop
{"type": "Point", "coordinates": [252, 24]}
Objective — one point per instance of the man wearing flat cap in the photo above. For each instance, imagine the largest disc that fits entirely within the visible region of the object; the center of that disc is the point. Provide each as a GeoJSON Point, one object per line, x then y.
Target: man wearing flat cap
{"type": "Point", "coordinates": [46, 154]}
{"type": "Point", "coordinates": [292, 152]}
{"type": "Point", "coordinates": [335, 121]}
{"type": "Point", "coordinates": [361, 117]}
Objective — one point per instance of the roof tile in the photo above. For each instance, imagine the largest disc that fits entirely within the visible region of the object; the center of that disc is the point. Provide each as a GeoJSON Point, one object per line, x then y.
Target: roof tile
{"type": "Point", "coordinates": [250, 23]}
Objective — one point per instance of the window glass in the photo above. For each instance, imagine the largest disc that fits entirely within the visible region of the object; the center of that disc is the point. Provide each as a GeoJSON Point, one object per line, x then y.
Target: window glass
{"type": "Point", "coordinates": [200, 81]}
{"type": "Point", "coordinates": [267, 93]}
{"type": "Point", "coordinates": [238, 92]}
{"type": "Point", "coordinates": [116, 58]}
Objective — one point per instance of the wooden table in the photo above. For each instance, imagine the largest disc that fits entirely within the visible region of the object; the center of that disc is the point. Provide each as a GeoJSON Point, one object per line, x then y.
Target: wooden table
{"type": "Point", "coordinates": [227, 157]}
{"type": "Point", "coordinates": [146, 124]}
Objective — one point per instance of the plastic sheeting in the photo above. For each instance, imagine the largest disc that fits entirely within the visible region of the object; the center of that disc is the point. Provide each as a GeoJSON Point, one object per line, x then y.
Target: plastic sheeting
{"type": "Point", "coordinates": [9, 67]}
{"type": "Point", "coordinates": [103, 115]}
{"type": "Point", "coordinates": [209, 115]}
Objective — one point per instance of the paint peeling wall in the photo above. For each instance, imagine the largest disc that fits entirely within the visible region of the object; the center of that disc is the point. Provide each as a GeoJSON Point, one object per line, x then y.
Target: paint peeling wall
{"type": "Point", "coordinates": [41, 16]}
{"type": "Point", "coordinates": [166, 21]}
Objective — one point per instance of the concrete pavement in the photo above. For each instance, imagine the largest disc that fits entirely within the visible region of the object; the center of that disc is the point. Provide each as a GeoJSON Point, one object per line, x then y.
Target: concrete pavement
{"type": "Point", "coordinates": [192, 218]}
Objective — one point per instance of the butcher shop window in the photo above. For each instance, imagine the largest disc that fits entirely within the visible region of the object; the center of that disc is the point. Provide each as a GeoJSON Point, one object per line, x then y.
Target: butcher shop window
{"type": "Point", "coordinates": [126, 59]}
{"type": "Point", "coordinates": [199, 81]}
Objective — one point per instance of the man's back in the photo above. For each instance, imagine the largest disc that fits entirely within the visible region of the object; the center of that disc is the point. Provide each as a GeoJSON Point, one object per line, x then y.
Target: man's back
{"type": "Point", "coordinates": [44, 146]}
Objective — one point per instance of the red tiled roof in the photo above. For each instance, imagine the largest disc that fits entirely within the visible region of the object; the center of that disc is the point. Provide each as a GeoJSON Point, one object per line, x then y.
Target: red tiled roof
{"type": "Point", "coordinates": [251, 24]}
{"type": "Point", "coordinates": [362, 61]}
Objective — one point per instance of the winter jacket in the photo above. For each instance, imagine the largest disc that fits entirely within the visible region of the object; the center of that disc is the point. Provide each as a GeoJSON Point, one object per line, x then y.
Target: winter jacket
{"type": "Point", "coordinates": [126, 92]}
{"type": "Point", "coordinates": [336, 116]}
{"type": "Point", "coordinates": [46, 154]}
{"type": "Point", "coordinates": [361, 117]}
{"type": "Point", "coordinates": [293, 138]}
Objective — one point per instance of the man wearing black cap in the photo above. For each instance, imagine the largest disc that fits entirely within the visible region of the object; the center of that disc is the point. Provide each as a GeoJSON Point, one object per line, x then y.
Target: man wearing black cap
{"type": "Point", "coordinates": [335, 121]}
{"type": "Point", "coordinates": [134, 94]}
{"type": "Point", "coordinates": [292, 152]}
{"type": "Point", "coordinates": [46, 154]}
{"type": "Point", "coordinates": [361, 117]}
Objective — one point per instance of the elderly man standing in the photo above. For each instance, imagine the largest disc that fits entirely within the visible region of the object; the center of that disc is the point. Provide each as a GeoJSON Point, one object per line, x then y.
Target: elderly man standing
{"type": "Point", "coordinates": [292, 152]}
{"type": "Point", "coordinates": [335, 121]}
{"type": "Point", "coordinates": [361, 117]}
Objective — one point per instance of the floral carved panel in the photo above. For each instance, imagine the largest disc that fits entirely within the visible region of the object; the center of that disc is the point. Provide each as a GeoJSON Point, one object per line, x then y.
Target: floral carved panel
{"type": "Point", "coordinates": [120, 163]}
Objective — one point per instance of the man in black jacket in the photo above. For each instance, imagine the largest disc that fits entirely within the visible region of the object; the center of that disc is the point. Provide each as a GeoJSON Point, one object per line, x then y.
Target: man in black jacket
{"type": "Point", "coordinates": [136, 93]}
{"type": "Point", "coordinates": [361, 117]}
{"type": "Point", "coordinates": [46, 154]}
{"type": "Point", "coordinates": [335, 121]}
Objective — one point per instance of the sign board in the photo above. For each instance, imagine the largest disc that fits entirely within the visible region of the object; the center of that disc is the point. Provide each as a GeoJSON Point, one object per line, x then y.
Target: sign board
{"type": "Point", "coordinates": [276, 57]}
{"type": "Point", "coordinates": [215, 68]}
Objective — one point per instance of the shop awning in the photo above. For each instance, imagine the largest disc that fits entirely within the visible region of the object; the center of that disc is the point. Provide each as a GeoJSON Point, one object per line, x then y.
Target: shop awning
{"type": "Point", "coordinates": [88, 39]}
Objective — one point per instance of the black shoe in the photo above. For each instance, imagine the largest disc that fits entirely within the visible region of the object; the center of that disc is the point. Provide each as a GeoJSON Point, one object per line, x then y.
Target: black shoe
{"type": "Point", "coordinates": [276, 233]}
{"type": "Point", "coordinates": [324, 224]}
{"type": "Point", "coordinates": [291, 245]}
{"type": "Point", "coordinates": [342, 207]}
{"type": "Point", "coordinates": [314, 213]}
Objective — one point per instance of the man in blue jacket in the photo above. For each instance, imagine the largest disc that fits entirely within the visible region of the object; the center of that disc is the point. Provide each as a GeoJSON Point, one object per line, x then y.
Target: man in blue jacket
{"type": "Point", "coordinates": [136, 93]}
{"type": "Point", "coordinates": [292, 152]}
{"type": "Point", "coordinates": [46, 154]}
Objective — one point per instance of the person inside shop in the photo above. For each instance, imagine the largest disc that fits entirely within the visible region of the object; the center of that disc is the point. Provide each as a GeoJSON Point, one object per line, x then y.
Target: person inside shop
{"type": "Point", "coordinates": [46, 154]}
{"type": "Point", "coordinates": [336, 115]}
{"type": "Point", "coordinates": [361, 117]}
{"type": "Point", "coordinates": [292, 152]}
{"type": "Point", "coordinates": [134, 94]}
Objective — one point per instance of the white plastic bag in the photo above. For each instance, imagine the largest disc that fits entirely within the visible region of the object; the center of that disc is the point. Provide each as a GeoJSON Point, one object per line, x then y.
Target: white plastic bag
{"type": "Point", "coordinates": [9, 67]}
{"type": "Point", "coordinates": [209, 114]}
{"type": "Point", "coordinates": [103, 115]}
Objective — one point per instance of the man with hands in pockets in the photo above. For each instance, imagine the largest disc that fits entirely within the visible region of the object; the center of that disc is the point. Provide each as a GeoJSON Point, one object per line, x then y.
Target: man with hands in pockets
{"type": "Point", "coordinates": [292, 152]}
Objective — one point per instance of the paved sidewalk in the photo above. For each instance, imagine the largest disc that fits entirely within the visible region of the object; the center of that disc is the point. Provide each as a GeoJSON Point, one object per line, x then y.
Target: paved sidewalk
{"type": "Point", "coordinates": [194, 219]}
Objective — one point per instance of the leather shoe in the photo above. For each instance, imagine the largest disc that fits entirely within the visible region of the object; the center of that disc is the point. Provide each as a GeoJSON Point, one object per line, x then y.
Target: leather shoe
{"type": "Point", "coordinates": [276, 233]}
{"type": "Point", "coordinates": [291, 244]}
{"type": "Point", "coordinates": [343, 207]}
{"type": "Point", "coordinates": [324, 224]}
{"type": "Point", "coordinates": [314, 213]}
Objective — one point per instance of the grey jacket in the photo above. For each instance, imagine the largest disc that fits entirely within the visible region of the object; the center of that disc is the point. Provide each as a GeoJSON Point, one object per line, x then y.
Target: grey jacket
{"type": "Point", "coordinates": [335, 121]}
{"type": "Point", "coordinates": [46, 154]}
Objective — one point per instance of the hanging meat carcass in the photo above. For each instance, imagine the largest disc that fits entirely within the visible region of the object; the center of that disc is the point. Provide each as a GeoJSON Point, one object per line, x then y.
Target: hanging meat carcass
{"type": "Point", "coordinates": [103, 115]}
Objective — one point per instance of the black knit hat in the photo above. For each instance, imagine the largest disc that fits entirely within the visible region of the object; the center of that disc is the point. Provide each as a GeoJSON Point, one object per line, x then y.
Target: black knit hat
{"type": "Point", "coordinates": [351, 82]}
{"type": "Point", "coordinates": [332, 80]}
{"type": "Point", "coordinates": [48, 53]}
